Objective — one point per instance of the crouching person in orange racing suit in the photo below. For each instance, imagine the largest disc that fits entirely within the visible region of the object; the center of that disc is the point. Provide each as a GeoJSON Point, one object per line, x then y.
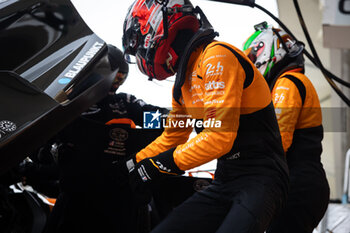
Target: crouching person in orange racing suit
{"type": "Point", "coordinates": [299, 116]}
{"type": "Point", "coordinates": [218, 84]}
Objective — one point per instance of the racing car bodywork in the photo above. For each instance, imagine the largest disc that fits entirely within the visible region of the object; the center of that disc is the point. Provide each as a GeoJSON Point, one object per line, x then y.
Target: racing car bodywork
{"type": "Point", "coordinates": [52, 68]}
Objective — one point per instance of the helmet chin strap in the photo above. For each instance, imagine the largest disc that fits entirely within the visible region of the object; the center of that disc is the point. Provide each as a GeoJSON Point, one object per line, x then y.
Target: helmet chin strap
{"type": "Point", "coordinates": [165, 19]}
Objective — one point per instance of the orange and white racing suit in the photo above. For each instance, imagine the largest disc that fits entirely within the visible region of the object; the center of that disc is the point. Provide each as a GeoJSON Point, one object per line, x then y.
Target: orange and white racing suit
{"type": "Point", "coordinates": [222, 85]}
{"type": "Point", "coordinates": [224, 88]}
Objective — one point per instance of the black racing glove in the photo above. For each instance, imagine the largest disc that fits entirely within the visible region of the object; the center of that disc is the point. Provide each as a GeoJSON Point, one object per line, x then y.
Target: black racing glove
{"type": "Point", "coordinates": [150, 170]}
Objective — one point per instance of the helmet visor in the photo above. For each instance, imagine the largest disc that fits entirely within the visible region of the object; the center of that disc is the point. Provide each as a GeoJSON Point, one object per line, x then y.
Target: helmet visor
{"type": "Point", "coordinates": [130, 41]}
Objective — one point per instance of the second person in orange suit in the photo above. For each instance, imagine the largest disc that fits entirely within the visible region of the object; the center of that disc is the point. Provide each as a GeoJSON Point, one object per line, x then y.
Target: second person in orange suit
{"type": "Point", "coordinates": [279, 58]}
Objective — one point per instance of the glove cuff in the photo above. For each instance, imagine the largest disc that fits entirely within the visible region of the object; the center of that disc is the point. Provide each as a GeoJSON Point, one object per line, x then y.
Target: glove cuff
{"type": "Point", "coordinates": [165, 163]}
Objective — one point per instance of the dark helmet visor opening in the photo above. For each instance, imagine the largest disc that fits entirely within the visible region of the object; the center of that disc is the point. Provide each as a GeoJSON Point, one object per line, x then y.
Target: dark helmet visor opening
{"type": "Point", "coordinates": [130, 42]}
{"type": "Point", "coordinates": [130, 59]}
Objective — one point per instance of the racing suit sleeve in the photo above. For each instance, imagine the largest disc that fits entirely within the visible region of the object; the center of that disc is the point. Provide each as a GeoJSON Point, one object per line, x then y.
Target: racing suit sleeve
{"type": "Point", "coordinates": [223, 78]}
{"type": "Point", "coordinates": [288, 103]}
{"type": "Point", "coordinates": [170, 138]}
